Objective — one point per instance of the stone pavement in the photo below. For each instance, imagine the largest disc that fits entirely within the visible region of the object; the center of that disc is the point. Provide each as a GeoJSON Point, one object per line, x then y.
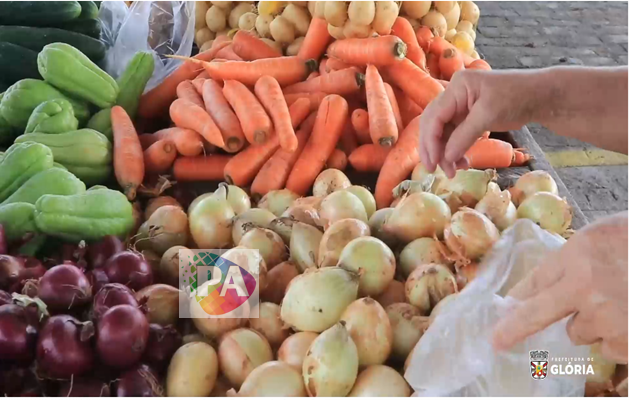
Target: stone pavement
{"type": "Point", "coordinates": [540, 34]}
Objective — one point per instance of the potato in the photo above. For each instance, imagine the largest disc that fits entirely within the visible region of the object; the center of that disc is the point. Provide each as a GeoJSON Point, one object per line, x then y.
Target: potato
{"type": "Point", "coordinates": [320, 9]}
{"type": "Point", "coordinates": [236, 13]}
{"type": "Point", "coordinates": [386, 14]}
{"type": "Point", "coordinates": [452, 17]}
{"type": "Point", "coordinates": [203, 35]}
{"type": "Point", "coordinates": [470, 12]}
{"type": "Point", "coordinates": [193, 371]}
{"type": "Point", "coordinates": [282, 30]}
{"type": "Point", "coordinates": [463, 42]}
{"type": "Point", "coordinates": [201, 8]}
{"type": "Point", "coordinates": [273, 44]}
{"type": "Point", "coordinates": [336, 13]}
{"type": "Point", "coordinates": [226, 5]}
{"type": "Point", "coordinates": [413, 22]}
{"type": "Point", "coordinates": [336, 32]}
{"type": "Point", "coordinates": [475, 55]}
{"type": "Point", "coordinates": [247, 22]}
{"type": "Point", "coordinates": [299, 17]}
{"type": "Point", "coordinates": [361, 12]}
{"type": "Point", "coordinates": [449, 34]}
{"type": "Point", "coordinates": [216, 19]}
{"type": "Point", "coordinates": [262, 25]}
{"type": "Point", "coordinates": [294, 47]}
{"type": "Point", "coordinates": [416, 9]}
{"type": "Point", "coordinates": [444, 7]}
{"type": "Point", "coordinates": [352, 30]}
{"type": "Point", "coordinates": [311, 8]}
{"type": "Point", "coordinates": [435, 21]}
{"type": "Point", "coordinates": [272, 8]}
{"type": "Point", "coordinates": [206, 46]}
{"type": "Point", "coordinates": [464, 26]}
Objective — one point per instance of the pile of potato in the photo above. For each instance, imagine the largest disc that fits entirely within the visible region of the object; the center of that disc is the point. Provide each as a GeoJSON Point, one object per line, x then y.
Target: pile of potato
{"type": "Point", "coordinates": [356, 19]}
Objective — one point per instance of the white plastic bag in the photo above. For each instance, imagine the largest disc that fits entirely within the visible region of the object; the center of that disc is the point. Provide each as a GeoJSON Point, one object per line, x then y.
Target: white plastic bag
{"type": "Point", "coordinates": [160, 27]}
{"type": "Point", "coordinates": [455, 357]}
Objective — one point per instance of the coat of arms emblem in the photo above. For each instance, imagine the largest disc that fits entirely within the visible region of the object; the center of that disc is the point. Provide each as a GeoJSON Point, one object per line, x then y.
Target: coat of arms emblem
{"type": "Point", "coordinates": [539, 361]}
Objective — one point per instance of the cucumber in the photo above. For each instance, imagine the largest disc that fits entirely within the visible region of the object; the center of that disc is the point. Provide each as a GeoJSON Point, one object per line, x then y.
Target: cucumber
{"type": "Point", "coordinates": [36, 38]}
{"type": "Point", "coordinates": [89, 10]}
{"type": "Point", "coordinates": [17, 62]}
{"type": "Point", "coordinates": [38, 13]}
{"type": "Point", "coordinates": [89, 27]}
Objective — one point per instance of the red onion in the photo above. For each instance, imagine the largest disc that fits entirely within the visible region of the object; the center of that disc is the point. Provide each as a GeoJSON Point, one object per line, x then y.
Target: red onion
{"type": "Point", "coordinates": [140, 381]}
{"type": "Point", "coordinates": [75, 253]}
{"type": "Point", "coordinates": [18, 332]}
{"type": "Point", "coordinates": [84, 387]}
{"type": "Point", "coordinates": [63, 347]}
{"type": "Point", "coordinates": [122, 336]}
{"type": "Point", "coordinates": [33, 270]}
{"type": "Point", "coordinates": [162, 344]}
{"type": "Point", "coordinates": [5, 298]}
{"type": "Point", "coordinates": [63, 287]}
{"type": "Point", "coordinates": [15, 380]}
{"type": "Point", "coordinates": [130, 269]}
{"type": "Point", "coordinates": [111, 295]}
{"type": "Point", "coordinates": [98, 278]}
{"type": "Point", "coordinates": [4, 247]}
{"type": "Point", "coordinates": [98, 253]}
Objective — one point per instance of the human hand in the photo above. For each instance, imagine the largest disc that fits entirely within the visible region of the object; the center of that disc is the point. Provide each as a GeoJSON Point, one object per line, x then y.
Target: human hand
{"type": "Point", "coordinates": [587, 277]}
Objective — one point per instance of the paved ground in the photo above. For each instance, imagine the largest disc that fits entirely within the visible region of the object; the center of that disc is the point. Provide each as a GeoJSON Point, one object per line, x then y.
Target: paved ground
{"type": "Point", "coordinates": [540, 34]}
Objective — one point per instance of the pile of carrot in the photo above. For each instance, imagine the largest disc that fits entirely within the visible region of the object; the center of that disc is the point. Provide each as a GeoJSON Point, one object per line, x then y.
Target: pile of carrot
{"type": "Point", "coordinates": [243, 113]}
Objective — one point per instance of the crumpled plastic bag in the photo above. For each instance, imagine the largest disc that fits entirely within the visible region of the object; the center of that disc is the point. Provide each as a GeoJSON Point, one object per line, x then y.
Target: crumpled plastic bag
{"type": "Point", "coordinates": [454, 357]}
{"type": "Point", "coordinates": [159, 27]}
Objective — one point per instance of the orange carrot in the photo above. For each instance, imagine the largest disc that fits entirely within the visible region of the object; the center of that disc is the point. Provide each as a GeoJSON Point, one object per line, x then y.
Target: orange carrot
{"type": "Point", "coordinates": [416, 83]}
{"type": "Point", "coordinates": [329, 124]}
{"type": "Point", "coordinates": [220, 39]}
{"type": "Point", "coordinates": [286, 70]}
{"type": "Point", "coordinates": [392, 100]}
{"type": "Point", "coordinates": [433, 66]}
{"type": "Point", "coordinates": [437, 46]}
{"type": "Point", "coordinates": [403, 29]}
{"type": "Point", "coordinates": [157, 100]}
{"type": "Point", "coordinates": [490, 153]}
{"type": "Point", "coordinates": [315, 99]}
{"type": "Point", "coordinates": [198, 84]}
{"type": "Point", "coordinates": [190, 116]}
{"type": "Point", "coordinates": [348, 141]}
{"type": "Point", "coordinates": [128, 155]}
{"type": "Point", "coordinates": [342, 82]}
{"type": "Point", "coordinates": [316, 40]}
{"type": "Point", "coordinates": [249, 47]}
{"type": "Point", "coordinates": [202, 168]}
{"type": "Point", "coordinates": [312, 75]}
{"type": "Point", "coordinates": [270, 95]}
{"type": "Point", "coordinates": [361, 124]}
{"type": "Point", "coordinates": [244, 166]}
{"type": "Point", "coordinates": [146, 140]}
{"type": "Point", "coordinates": [219, 109]}
{"type": "Point", "coordinates": [520, 158]}
{"type": "Point", "coordinates": [399, 163]}
{"type": "Point", "coordinates": [424, 35]}
{"type": "Point", "coordinates": [408, 109]}
{"type": "Point", "coordinates": [322, 67]}
{"type": "Point", "coordinates": [379, 51]}
{"type": "Point", "coordinates": [337, 160]}
{"type": "Point", "coordinates": [187, 91]}
{"type": "Point", "coordinates": [298, 111]}
{"type": "Point", "coordinates": [159, 157]}
{"type": "Point", "coordinates": [450, 62]}
{"type": "Point", "coordinates": [369, 157]}
{"type": "Point", "coordinates": [254, 120]}
{"type": "Point", "coordinates": [227, 53]}
{"type": "Point", "coordinates": [383, 129]}
{"type": "Point", "coordinates": [479, 64]}
{"type": "Point", "coordinates": [332, 64]}
{"type": "Point", "coordinates": [187, 142]}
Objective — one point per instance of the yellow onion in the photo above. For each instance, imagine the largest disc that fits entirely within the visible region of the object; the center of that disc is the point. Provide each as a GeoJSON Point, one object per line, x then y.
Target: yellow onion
{"type": "Point", "coordinates": [192, 371]}
{"type": "Point", "coordinates": [155, 203]}
{"type": "Point", "coordinates": [408, 187]}
{"type": "Point", "coordinates": [530, 183]}
{"type": "Point", "coordinates": [211, 222]}
{"type": "Point", "coordinates": [408, 326]}
{"type": "Point", "coordinates": [372, 260]}
{"type": "Point", "coordinates": [272, 379]}
{"type": "Point", "coordinates": [268, 243]}
{"type": "Point", "coordinates": [328, 181]}
{"type": "Point", "coordinates": [604, 371]}
{"type": "Point", "coordinates": [278, 279]}
{"type": "Point", "coordinates": [368, 325]}
{"type": "Point", "coordinates": [331, 364]}
{"type": "Point", "coordinates": [215, 327]}
{"type": "Point", "coordinates": [161, 303]}
{"type": "Point", "coordinates": [376, 222]}
{"type": "Point", "coordinates": [314, 301]}
{"type": "Point", "coordinates": [469, 185]}
{"type": "Point", "coordinates": [339, 205]}
{"type": "Point", "coordinates": [197, 200]}
{"type": "Point", "coordinates": [497, 206]}
{"type": "Point", "coordinates": [336, 237]}
{"type": "Point", "coordinates": [269, 324]}
{"type": "Point", "coordinates": [278, 201]}
{"type": "Point", "coordinates": [240, 351]}
{"type": "Point", "coordinates": [453, 201]}
{"type": "Point", "coordinates": [465, 274]}
{"type": "Point", "coordinates": [283, 226]}
{"type": "Point", "coordinates": [238, 198]}
{"type": "Point", "coordinates": [393, 293]}
{"type": "Point", "coordinates": [418, 215]}
{"type": "Point", "coordinates": [547, 210]}
{"type": "Point", "coordinates": [380, 381]}
{"type": "Point", "coordinates": [430, 180]}
{"type": "Point", "coordinates": [420, 251]}
{"type": "Point", "coordinates": [470, 234]}
{"type": "Point", "coordinates": [251, 261]}
{"type": "Point", "coordinates": [440, 306]}
{"type": "Point", "coordinates": [427, 285]}
{"type": "Point", "coordinates": [366, 197]}
{"type": "Point", "coordinates": [304, 246]}
{"type": "Point", "coordinates": [252, 218]}
{"type": "Point", "coordinates": [167, 227]}
{"type": "Point", "coordinates": [304, 210]}
{"type": "Point", "coordinates": [293, 349]}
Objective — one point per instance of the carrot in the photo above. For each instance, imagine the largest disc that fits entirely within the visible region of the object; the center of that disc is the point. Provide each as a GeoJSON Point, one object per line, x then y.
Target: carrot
{"type": "Point", "coordinates": [198, 84]}
{"type": "Point", "coordinates": [337, 160]}
{"type": "Point", "coordinates": [159, 156]}
{"type": "Point", "coordinates": [335, 65]}
{"type": "Point", "coordinates": [329, 124]}
{"type": "Point", "coordinates": [342, 82]}
{"type": "Point", "coordinates": [187, 91]}
{"type": "Point", "coordinates": [298, 111]}
{"type": "Point", "coordinates": [187, 142]}
{"type": "Point", "coordinates": [490, 153]}
{"type": "Point", "coordinates": [249, 47]}
{"type": "Point", "coordinates": [416, 83]}
{"type": "Point", "coordinates": [316, 40]}
{"type": "Point", "coordinates": [220, 39]}
{"type": "Point", "coordinates": [433, 66]}
{"type": "Point", "coordinates": [286, 70]}
{"type": "Point", "coordinates": [395, 109]}
{"type": "Point", "coordinates": [399, 163]}
{"type": "Point", "coordinates": [219, 109]}
{"type": "Point", "coordinates": [201, 168]}
{"type": "Point", "coordinates": [424, 35]}
{"type": "Point", "coordinates": [190, 116]}
{"type": "Point", "coordinates": [479, 64]}
{"type": "Point", "coordinates": [437, 46]}
{"type": "Point", "coordinates": [383, 129]}
{"type": "Point", "coordinates": [520, 158]}
{"type": "Point", "coordinates": [157, 100]}
{"type": "Point", "coordinates": [368, 158]}
{"type": "Point", "coordinates": [322, 67]}
{"type": "Point", "coordinates": [128, 156]}
{"type": "Point", "coordinates": [312, 75]}
{"type": "Point", "coordinates": [348, 141]}
{"type": "Point", "coordinates": [380, 51]}
{"type": "Point", "coordinates": [403, 29]}
{"type": "Point", "coordinates": [147, 139]}
{"type": "Point", "coordinates": [227, 53]}
{"type": "Point", "coordinates": [254, 120]}
{"type": "Point", "coordinates": [244, 166]}
{"type": "Point", "coordinates": [270, 95]}
{"type": "Point", "coordinates": [360, 123]}
{"type": "Point", "coordinates": [450, 62]}
{"type": "Point", "coordinates": [315, 99]}
{"type": "Point", "coordinates": [408, 108]}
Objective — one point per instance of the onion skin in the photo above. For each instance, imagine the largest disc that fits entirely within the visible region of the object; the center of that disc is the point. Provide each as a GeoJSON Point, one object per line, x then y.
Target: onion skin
{"type": "Point", "coordinates": [304, 247]}
{"type": "Point", "coordinates": [427, 285]}
{"type": "Point", "coordinates": [237, 198]}
{"type": "Point", "coordinates": [418, 215]}
{"type": "Point", "coordinates": [336, 237]}
{"type": "Point", "coordinates": [293, 350]}
{"type": "Point", "coordinates": [418, 252]}
{"type": "Point", "coordinates": [111, 295]}
{"type": "Point", "coordinates": [498, 207]}
{"type": "Point", "coordinates": [548, 211]}
{"type": "Point", "coordinates": [470, 235]}
{"type": "Point", "coordinates": [393, 293]}
{"type": "Point", "coordinates": [277, 201]}
{"type": "Point", "coordinates": [84, 387]}
{"type": "Point", "coordinates": [240, 351]}
{"type": "Point", "coordinates": [530, 183]}
{"type": "Point", "coordinates": [283, 226]}
{"type": "Point", "coordinates": [380, 381]}
{"type": "Point", "coordinates": [372, 260]}
{"type": "Point", "coordinates": [278, 278]}
{"type": "Point", "coordinates": [98, 253]}
{"type": "Point", "coordinates": [273, 378]}
{"type": "Point", "coordinates": [252, 218]}
{"type": "Point", "coordinates": [19, 327]}
{"type": "Point", "coordinates": [329, 181]}
{"type": "Point", "coordinates": [155, 203]}
{"type": "Point", "coordinates": [469, 185]}
{"type": "Point", "coordinates": [64, 287]}
{"type": "Point", "coordinates": [339, 205]}
{"type": "Point", "coordinates": [211, 223]}
{"type": "Point", "coordinates": [270, 325]}
{"type": "Point", "coordinates": [408, 326]}
{"type": "Point", "coordinates": [366, 197]}
{"type": "Point", "coordinates": [161, 302]}
{"type": "Point", "coordinates": [193, 371]}
{"type": "Point", "coordinates": [370, 329]}
{"type": "Point", "coordinates": [376, 222]}
{"type": "Point", "coordinates": [122, 336]}
{"type": "Point", "coordinates": [162, 343]}
{"type": "Point", "coordinates": [167, 227]}
{"type": "Point", "coordinates": [268, 243]}
{"type": "Point", "coordinates": [130, 269]}
{"type": "Point", "coordinates": [140, 381]}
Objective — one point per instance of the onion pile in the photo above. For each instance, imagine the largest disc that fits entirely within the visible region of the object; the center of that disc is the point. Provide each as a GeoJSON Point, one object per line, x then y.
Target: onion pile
{"type": "Point", "coordinates": [167, 227]}
{"type": "Point", "coordinates": [420, 251]}
{"type": "Point", "coordinates": [252, 218]}
{"type": "Point", "coordinates": [140, 381]}
{"type": "Point", "coordinates": [328, 181]}
{"type": "Point", "coordinates": [530, 183]}
{"type": "Point", "coordinates": [211, 222]}
{"type": "Point", "coordinates": [469, 185]}
{"type": "Point", "coordinates": [98, 253]}
{"type": "Point", "coordinates": [236, 197]}
{"type": "Point", "coordinates": [168, 270]}
{"type": "Point", "coordinates": [129, 269]}
{"type": "Point", "coordinates": [377, 222]}
{"type": "Point", "coordinates": [157, 202]}
{"type": "Point", "coordinates": [277, 201]}
{"type": "Point", "coordinates": [162, 343]}
{"type": "Point", "coordinates": [548, 211]}
{"type": "Point", "coordinates": [268, 243]}
{"type": "Point", "coordinates": [270, 324]}
{"type": "Point", "coordinates": [336, 237]}
{"type": "Point", "coordinates": [193, 371]}
{"type": "Point", "coordinates": [122, 335]}
{"type": "Point", "coordinates": [470, 235]}
{"type": "Point", "coordinates": [418, 215]}
{"type": "Point", "coordinates": [304, 247]}
{"type": "Point", "coordinates": [393, 293]}
{"type": "Point", "coordinates": [372, 260]}
{"type": "Point", "coordinates": [273, 378]}
{"type": "Point", "coordinates": [161, 303]}
{"type": "Point", "coordinates": [380, 381]}
{"type": "Point", "coordinates": [432, 180]}
{"type": "Point", "coordinates": [498, 207]}
{"type": "Point", "coordinates": [304, 210]}
{"type": "Point", "coordinates": [283, 226]}
{"type": "Point", "coordinates": [110, 295]}
{"type": "Point", "coordinates": [294, 349]}
{"type": "Point", "coordinates": [250, 261]}
{"type": "Point", "coordinates": [240, 352]}
{"type": "Point", "coordinates": [408, 326]}
{"type": "Point", "coordinates": [18, 327]}
{"type": "Point", "coordinates": [279, 278]}
{"type": "Point", "coordinates": [370, 329]}
{"type": "Point", "coordinates": [366, 197]}
{"type": "Point", "coordinates": [64, 287]}
{"type": "Point", "coordinates": [427, 285]}
{"type": "Point", "coordinates": [339, 205]}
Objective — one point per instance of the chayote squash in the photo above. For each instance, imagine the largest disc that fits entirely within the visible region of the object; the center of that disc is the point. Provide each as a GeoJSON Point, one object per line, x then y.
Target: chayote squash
{"type": "Point", "coordinates": [133, 81]}
{"type": "Point", "coordinates": [24, 96]}
{"type": "Point", "coordinates": [88, 216]}
{"type": "Point", "coordinates": [20, 162]}
{"type": "Point", "coordinates": [66, 68]}
{"type": "Point", "coordinates": [18, 219]}
{"type": "Point", "coordinates": [52, 116]}
{"type": "Point", "coordinates": [51, 181]}
{"type": "Point", "coordinates": [86, 153]}
{"type": "Point", "coordinates": [102, 122]}
{"type": "Point", "coordinates": [7, 132]}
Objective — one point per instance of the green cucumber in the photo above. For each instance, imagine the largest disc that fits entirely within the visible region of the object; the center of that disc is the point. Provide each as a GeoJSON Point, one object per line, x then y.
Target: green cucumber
{"type": "Point", "coordinates": [17, 62]}
{"type": "Point", "coordinates": [38, 13]}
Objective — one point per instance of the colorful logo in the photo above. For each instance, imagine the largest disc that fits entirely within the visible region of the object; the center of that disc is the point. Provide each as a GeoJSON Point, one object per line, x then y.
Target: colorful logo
{"type": "Point", "coordinates": [539, 361]}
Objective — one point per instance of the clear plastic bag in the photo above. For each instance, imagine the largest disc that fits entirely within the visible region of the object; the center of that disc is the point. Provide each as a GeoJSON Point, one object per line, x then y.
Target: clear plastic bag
{"type": "Point", "coordinates": [160, 27]}
{"type": "Point", "coordinates": [455, 357]}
